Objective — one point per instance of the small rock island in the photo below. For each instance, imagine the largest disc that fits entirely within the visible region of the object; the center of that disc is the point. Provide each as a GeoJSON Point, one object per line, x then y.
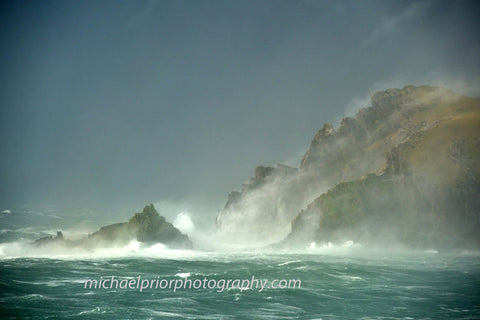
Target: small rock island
{"type": "Point", "coordinates": [148, 227]}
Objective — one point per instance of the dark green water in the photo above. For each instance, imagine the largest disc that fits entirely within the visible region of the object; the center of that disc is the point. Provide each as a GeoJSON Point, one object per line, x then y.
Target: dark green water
{"type": "Point", "coordinates": [343, 286]}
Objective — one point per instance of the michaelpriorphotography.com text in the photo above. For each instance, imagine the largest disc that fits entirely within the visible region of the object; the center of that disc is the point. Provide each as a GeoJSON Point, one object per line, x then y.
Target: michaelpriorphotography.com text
{"type": "Point", "coordinates": [185, 283]}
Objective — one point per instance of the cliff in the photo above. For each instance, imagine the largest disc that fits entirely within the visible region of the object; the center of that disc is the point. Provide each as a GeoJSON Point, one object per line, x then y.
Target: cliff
{"type": "Point", "coordinates": [404, 169]}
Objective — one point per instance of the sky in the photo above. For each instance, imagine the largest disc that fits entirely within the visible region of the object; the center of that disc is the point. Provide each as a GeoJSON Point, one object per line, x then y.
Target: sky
{"type": "Point", "coordinates": [109, 105]}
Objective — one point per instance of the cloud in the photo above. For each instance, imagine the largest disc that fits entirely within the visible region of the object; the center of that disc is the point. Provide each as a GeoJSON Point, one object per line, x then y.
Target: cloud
{"type": "Point", "coordinates": [411, 11]}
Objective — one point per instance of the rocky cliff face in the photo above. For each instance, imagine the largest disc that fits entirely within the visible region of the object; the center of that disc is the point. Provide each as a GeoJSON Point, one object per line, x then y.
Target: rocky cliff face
{"type": "Point", "coordinates": [395, 163]}
{"type": "Point", "coordinates": [359, 145]}
{"type": "Point", "coordinates": [425, 193]}
{"type": "Point", "coordinates": [146, 226]}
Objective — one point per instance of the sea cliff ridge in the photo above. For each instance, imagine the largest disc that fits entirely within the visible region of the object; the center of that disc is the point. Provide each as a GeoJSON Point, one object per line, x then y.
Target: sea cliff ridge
{"type": "Point", "coordinates": [406, 170]}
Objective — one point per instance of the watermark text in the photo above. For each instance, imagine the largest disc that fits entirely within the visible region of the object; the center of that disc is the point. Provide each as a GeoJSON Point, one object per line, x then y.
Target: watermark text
{"type": "Point", "coordinates": [184, 283]}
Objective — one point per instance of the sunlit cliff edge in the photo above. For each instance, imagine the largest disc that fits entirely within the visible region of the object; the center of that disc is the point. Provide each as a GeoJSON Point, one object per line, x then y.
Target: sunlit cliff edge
{"type": "Point", "coordinates": [404, 170]}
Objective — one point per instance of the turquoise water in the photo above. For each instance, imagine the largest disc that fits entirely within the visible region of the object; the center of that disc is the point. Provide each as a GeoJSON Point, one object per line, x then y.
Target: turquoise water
{"type": "Point", "coordinates": [347, 285]}
{"type": "Point", "coordinates": [337, 282]}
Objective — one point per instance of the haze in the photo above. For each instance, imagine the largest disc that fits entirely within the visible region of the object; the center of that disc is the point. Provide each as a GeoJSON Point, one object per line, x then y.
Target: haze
{"type": "Point", "coordinates": [109, 105]}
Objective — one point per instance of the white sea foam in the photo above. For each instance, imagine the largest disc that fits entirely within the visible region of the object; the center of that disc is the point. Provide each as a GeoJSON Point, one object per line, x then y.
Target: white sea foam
{"type": "Point", "coordinates": [22, 249]}
{"type": "Point", "coordinates": [183, 275]}
{"type": "Point", "coordinates": [289, 262]}
{"type": "Point", "coordinates": [334, 248]}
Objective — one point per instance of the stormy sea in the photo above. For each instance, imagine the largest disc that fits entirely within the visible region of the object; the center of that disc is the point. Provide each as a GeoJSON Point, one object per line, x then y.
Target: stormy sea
{"type": "Point", "coordinates": [343, 281]}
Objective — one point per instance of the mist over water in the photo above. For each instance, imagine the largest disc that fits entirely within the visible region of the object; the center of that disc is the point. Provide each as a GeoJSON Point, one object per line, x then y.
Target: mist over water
{"type": "Point", "coordinates": [17, 243]}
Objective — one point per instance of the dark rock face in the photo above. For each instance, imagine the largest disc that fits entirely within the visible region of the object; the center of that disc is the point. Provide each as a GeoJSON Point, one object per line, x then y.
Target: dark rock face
{"type": "Point", "coordinates": [146, 226]}
{"type": "Point", "coordinates": [150, 227]}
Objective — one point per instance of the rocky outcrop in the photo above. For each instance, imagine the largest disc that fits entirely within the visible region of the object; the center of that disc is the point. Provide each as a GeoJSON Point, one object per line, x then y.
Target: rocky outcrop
{"type": "Point", "coordinates": [150, 227]}
{"type": "Point", "coordinates": [146, 226]}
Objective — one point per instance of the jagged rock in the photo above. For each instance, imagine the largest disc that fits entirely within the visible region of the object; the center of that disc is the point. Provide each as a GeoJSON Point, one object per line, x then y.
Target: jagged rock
{"type": "Point", "coordinates": [150, 227]}
{"type": "Point", "coordinates": [323, 135]}
{"type": "Point", "coordinates": [261, 172]}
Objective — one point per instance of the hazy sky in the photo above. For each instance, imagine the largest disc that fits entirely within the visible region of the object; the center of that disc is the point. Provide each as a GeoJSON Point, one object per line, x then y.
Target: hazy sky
{"type": "Point", "coordinates": [115, 104]}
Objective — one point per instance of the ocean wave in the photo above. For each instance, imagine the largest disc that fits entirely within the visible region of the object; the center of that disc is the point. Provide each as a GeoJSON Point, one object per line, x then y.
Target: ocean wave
{"type": "Point", "coordinates": [288, 262]}
{"type": "Point", "coordinates": [331, 248]}
{"type": "Point", "coordinates": [24, 249]}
